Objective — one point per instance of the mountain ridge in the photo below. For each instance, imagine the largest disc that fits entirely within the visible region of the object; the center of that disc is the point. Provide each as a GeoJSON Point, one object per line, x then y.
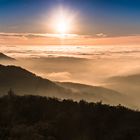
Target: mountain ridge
{"type": "Point", "coordinates": [23, 81]}
{"type": "Point", "coordinates": [5, 57]}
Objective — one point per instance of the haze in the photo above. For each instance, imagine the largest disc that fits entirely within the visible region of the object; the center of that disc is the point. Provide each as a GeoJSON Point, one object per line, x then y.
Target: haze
{"type": "Point", "coordinates": [93, 42]}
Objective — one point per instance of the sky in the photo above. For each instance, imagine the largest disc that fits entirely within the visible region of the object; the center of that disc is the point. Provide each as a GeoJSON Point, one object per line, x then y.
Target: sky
{"type": "Point", "coordinates": [93, 21]}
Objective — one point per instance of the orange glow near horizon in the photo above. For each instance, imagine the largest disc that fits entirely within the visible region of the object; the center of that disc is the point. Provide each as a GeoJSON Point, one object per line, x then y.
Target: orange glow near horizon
{"type": "Point", "coordinates": [68, 39]}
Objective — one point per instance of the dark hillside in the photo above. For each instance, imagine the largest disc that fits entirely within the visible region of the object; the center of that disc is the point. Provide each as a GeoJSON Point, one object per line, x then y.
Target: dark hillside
{"type": "Point", "coordinates": [42, 118]}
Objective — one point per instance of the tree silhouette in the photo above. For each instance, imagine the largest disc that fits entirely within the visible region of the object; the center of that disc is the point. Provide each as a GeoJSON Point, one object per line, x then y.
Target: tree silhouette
{"type": "Point", "coordinates": [11, 93]}
{"type": "Point", "coordinates": [42, 118]}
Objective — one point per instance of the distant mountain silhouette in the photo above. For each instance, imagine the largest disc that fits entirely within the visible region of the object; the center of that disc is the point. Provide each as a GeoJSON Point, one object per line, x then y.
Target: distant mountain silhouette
{"type": "Point", "coordinates": [135, 78]}
{"type": "Point", "coordinates": [5, 57]}
{"type": "Point", "coordinates": [129, 84]}
{"type": "Point", "coordinates": [94, 93]}
{"type": "Point", "coordinates": [24, 82]}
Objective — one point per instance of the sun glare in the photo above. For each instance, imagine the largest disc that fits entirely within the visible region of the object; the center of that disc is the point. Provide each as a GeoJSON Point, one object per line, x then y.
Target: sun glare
{"type": "Point", "coordinates": [62, 27]}
{"type": "Point", "coordinates": [62, 22]}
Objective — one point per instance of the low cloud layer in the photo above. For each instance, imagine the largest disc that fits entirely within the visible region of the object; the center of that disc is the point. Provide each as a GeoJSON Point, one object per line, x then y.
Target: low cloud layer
{"type": "Point", "coordinates": [86, 64]}
{"type": "Point", "coordinates": [67, 39]}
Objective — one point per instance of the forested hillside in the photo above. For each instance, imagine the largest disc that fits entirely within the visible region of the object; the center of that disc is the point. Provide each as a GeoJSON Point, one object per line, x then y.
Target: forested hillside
{"type": "Point", "coordinates": [42, 118]}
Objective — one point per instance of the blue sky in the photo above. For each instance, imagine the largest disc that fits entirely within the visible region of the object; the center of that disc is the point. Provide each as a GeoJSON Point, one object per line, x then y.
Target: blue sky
{"type": "Point", "coordinates": [111, 17]}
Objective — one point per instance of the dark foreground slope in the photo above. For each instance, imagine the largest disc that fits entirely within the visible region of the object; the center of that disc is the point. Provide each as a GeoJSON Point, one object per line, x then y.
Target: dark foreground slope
{"type": "Point", "coordinates": [41, 118]}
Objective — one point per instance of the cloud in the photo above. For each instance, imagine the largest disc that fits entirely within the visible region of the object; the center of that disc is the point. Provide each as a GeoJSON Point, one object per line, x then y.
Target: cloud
{"type": "Point", "coordinates": [35, 35]}
{"type": "Point", "coordinates": [101, 35]}
{"type": "Point", "coordinates": [66, 39]}
{"type": "Point", "coordinates": [59, 76]}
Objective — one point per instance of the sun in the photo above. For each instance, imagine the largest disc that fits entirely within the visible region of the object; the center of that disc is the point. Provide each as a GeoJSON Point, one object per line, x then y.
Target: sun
{"type": "Point", "coordinates": [62, 22]}
{"type": "Point", "coordinates": [63, 27]}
